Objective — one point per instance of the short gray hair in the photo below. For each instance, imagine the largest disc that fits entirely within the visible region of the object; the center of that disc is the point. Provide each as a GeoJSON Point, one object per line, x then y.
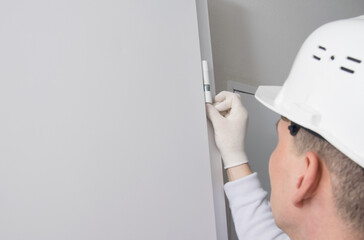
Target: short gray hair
{"type": "Point", "coordinates": [347, 178]}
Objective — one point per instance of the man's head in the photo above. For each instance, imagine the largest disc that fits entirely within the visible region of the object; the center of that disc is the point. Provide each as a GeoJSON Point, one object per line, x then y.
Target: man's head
{"type": "Point", "coordinates": [320, 155]}
{"type": "Point", "coordinates": [297, 177]}
{"type": "Point", "coordinates": [347, 177]}
{"type": "Point", "coordinates": [324, 90]}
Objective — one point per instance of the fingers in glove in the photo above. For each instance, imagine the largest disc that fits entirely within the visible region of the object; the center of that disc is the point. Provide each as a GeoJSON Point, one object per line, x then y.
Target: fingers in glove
{"type": "Point", "coordinates": [213, 114]}
{"type": "Point", "coordinates": [228, 101]}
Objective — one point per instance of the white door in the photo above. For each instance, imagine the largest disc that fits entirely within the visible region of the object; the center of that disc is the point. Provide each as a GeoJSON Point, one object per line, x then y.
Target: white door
{"type": "Point", "coordinates": [103, 132]}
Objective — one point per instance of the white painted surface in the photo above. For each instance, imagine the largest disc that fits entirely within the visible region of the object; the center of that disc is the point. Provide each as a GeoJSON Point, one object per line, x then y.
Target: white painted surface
{"type": "Point", "coordinates": [103, 128]}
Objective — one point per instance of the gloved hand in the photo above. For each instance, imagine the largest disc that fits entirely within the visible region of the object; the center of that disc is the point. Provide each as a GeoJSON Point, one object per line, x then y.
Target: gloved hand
{"type": "Point", "coordinates": [229, 118]}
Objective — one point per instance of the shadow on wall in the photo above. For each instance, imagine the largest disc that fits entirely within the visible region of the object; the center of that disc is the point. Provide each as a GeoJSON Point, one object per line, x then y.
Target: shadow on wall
{"type": "Point", "coordinates": [229, 29]}
{"type": "Point", "coordinates": [255, 42]}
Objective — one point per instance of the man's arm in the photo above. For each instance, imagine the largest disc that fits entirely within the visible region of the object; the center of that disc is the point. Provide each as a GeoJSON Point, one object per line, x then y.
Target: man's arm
{"type": "Point", "coordinates": [250, 209]}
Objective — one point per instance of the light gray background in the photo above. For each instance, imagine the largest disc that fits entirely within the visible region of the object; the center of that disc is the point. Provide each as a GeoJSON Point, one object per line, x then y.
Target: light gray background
{"type": "Point", "coordinates": [255, 42]}
{"type": "Point", "coordinates": [103, 132]}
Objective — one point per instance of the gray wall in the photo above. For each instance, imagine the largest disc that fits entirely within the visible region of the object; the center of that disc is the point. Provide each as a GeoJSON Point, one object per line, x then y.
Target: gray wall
{"type": "Point", "coordinates": [255, 42]}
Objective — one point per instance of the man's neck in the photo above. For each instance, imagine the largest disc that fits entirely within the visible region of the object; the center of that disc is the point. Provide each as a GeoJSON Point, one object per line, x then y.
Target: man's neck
{"type": "Point", "coordinates": [318, 227]}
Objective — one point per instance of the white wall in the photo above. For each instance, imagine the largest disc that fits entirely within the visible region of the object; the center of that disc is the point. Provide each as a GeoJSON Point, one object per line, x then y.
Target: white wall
{"type": "Point", "coordinates": [255, 42]}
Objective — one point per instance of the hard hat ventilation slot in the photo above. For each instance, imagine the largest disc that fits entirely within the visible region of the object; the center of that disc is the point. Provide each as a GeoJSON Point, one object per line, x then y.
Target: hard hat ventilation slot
{"type": "Point", "coordinates": [346, 69]}
{"type": "Point", "coordinates": [323, 48]}
{"type": "Point", "coordinates": [354, 59]}
{"type": "Point", "coordinates": [316, 57]}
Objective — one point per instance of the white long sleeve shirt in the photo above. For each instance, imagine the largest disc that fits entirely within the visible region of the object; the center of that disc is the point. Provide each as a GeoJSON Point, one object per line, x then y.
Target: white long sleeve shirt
{"type": "Point", "coordinates": [251, 210]}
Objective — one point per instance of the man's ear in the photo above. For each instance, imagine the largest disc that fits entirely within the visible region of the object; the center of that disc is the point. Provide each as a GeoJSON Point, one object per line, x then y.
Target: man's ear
{"type": "Point", "coordinates": [308, 180]}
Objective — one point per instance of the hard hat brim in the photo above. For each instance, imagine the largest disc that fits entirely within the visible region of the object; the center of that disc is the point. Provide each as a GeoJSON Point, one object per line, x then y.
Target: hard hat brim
{"type": "Point", "coordinates": [267, 95]}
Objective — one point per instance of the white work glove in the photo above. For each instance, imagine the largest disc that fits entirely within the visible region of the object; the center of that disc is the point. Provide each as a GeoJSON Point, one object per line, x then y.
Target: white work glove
{"type": "Point", "coordinates": [229, 117]}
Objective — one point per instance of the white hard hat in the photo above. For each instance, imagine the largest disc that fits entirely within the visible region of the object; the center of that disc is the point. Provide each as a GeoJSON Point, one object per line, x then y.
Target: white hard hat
{"type": "Point", "coordinates": [324, 91]}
